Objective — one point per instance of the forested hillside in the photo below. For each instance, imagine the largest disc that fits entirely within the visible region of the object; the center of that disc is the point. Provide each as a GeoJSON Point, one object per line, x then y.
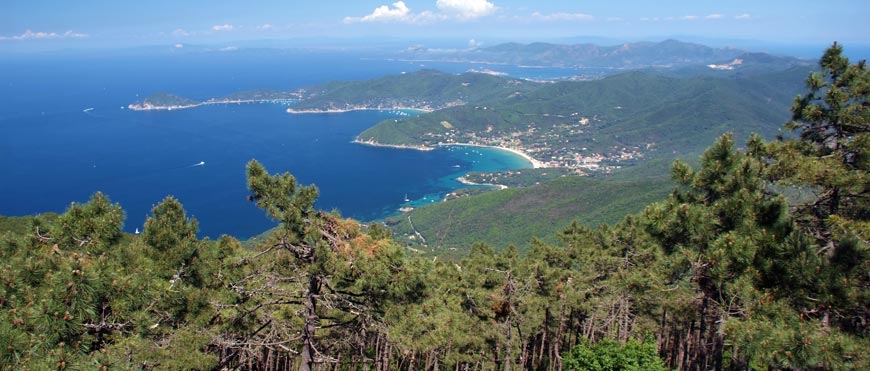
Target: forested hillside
{"type": "Point", "coordinates": [721, 274]}
{"type": "Point", "coordinates": [426, 89]}
{"type": "Point", "coordinates": [655, 114]}
{"type": "Point", "coordinates": [513, 216]}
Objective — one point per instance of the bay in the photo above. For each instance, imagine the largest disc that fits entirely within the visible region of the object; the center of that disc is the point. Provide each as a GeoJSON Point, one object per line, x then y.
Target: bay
{"type": "Point", "coordinates": [66, 135]}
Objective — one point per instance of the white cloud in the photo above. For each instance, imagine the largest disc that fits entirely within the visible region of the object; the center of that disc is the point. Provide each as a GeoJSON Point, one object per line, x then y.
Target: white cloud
{"type": "Point", "coordinates": [30, 35]}
{"type": "Point", "coordinates": [714, 16]}
{"type": "Point", "coordinates": [689, 17]}
{"type": "Point", "coordinates": [614, 19]}
{"type": "Point", "coordinates": [179, 46]}
{"type": "Point", "coordinates": [562, 17]}
{"type": "Point", "coordinates": [743, 16]}
{"type": "Point", "coordinates": [265, 27]}
{"type": "Point", "coordinates": [474, 43]}
{"type": "Point", "coordinates": [229, 49]}
{"type": "Point", "coordinates": [399, 12]}
{"type": "Point", "coordinates": [223, 27]}
{"type": "Point", "coordinates": [180, 32]}
{"type": "Point", "coordinates": [466, 9]}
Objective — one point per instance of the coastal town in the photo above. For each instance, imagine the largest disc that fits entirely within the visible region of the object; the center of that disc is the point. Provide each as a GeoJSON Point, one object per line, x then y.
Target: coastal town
{"type": "Point", "coordinates": [558, 146]}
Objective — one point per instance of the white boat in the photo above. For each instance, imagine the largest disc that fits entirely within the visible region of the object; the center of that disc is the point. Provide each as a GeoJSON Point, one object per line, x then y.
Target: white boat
{"type": "Point", "coordinates": [406, 198]}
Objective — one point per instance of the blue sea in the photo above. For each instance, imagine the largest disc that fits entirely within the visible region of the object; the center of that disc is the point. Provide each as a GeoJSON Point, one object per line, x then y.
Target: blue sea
{"type": "Point", "coordinates": [65, 134]}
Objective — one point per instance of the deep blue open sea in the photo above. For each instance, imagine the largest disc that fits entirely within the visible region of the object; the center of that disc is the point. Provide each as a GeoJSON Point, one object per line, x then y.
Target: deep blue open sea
{"type": "Point", "coordinates": [53, 152]}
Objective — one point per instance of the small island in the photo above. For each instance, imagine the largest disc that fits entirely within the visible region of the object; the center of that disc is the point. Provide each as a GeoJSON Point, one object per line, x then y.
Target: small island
{"type": "Point", "coordinates": [163, 101]}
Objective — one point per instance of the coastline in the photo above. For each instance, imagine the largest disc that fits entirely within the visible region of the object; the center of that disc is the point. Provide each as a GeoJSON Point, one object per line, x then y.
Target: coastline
{"type": "Point", "coordinates": [535, 163]}
{"type": "Point", "coordinates": [372, 143]}
{"type": "Point", "coordinates": [150, 107]}
{"type": "Point", "coordinates": [465, 181]}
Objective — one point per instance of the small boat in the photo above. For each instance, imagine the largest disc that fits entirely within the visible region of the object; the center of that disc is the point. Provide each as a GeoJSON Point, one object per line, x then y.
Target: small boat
{"type": "Point", "coordinates": [406, 198]}
{"type": "Point", "coordinates": [137, 231]}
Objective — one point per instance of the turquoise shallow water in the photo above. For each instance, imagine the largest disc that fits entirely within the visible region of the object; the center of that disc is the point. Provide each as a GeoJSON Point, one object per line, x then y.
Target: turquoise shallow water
{"type": "Point", "coordinates": [64, 135]}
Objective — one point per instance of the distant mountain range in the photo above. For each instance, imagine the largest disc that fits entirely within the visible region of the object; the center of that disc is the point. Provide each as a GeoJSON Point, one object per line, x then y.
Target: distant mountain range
{"type": "Point", "coordinates": [668, 53]}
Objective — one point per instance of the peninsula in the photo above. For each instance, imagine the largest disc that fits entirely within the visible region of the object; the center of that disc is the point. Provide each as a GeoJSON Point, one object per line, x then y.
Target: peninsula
{"type": "Point", "coordinates": [169, 102]}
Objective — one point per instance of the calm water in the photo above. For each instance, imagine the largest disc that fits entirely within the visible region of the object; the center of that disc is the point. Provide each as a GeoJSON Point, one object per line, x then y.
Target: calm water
{"type": "Point", "coordinates": [52, 152]}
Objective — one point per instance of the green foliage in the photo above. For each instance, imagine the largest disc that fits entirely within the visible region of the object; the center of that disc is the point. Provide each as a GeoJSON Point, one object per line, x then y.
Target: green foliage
{"type": "Point", "coordinates": [280, 197]}
{"type": "Point", "coordinates": [172, 236]}
{"type": "Point", "coordinates": [91, 226]}
{"type": "Point", "coordinates": [833, 153]}
{"type": "Point", "coordinates": [421, 89]}
{"type": "Point", "coordinates": [169, 228]}
{"type": "Point", "coordinates": [612, 355]}
{"type": "Point", "coordinates": [515, 216]}
{"type": "Point", "coordinates": [833, 157]}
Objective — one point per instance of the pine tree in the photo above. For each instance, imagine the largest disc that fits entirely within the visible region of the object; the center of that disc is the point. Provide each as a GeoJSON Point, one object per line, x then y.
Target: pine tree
{"type": "Point", "coordinates": [832, 154]}
{"type": "Point", "coordinates": [91, 226]}
{"type": "Point", "coordinates": [172, 236]}
{"type": "Point", "coordinates": [712, 228]}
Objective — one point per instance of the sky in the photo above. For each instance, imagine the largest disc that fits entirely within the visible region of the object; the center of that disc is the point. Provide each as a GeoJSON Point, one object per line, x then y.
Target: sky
{"type": "Point", "coordinates": [64, 24]}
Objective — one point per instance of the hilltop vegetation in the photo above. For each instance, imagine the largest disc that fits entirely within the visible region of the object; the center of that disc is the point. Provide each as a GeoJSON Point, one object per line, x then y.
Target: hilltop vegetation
{"type": "Point", "coordinates": [423, 89]}
{"type": "Point", "coordinates": [514, 216]}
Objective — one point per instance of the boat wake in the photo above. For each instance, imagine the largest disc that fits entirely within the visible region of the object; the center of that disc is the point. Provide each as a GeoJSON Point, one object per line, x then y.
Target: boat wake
{"type": "Point", "coordinates": [201, 163]}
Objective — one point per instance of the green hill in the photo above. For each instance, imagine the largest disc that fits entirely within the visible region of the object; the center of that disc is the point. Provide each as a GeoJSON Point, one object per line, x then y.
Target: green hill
{"type": "Point", "coordinates": [515, 216]}
{"type": "Point", "coordinates": [644, 113]}
{"type": "Point", "coordinates": [425, 89]}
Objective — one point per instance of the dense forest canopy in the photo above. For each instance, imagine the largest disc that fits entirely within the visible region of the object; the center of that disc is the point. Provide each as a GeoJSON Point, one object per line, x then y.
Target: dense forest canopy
{"type": "Point", "coordinates": [725, 273]}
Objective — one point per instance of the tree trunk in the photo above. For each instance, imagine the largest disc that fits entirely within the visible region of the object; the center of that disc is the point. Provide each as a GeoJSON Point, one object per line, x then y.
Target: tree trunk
{"type": "Point", "coordinates": [507, 353]}
{"type": "Point", "coordinates": [559, 332]}
{"type": "Point", "coordinates": [310, 323]}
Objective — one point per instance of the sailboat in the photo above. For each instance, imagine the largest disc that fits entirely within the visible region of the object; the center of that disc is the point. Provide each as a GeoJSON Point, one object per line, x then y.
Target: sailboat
{"type": "Point", "coordinates": [137, 231]}
{"type": "Point", "coordinates": [406, 198]}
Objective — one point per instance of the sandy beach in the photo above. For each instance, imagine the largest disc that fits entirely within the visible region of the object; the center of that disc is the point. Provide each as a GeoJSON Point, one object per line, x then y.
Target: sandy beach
{"type": "Point", "coordinates": [535, 163]}
{"type": "Point", "coordinates": [399, 146]}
